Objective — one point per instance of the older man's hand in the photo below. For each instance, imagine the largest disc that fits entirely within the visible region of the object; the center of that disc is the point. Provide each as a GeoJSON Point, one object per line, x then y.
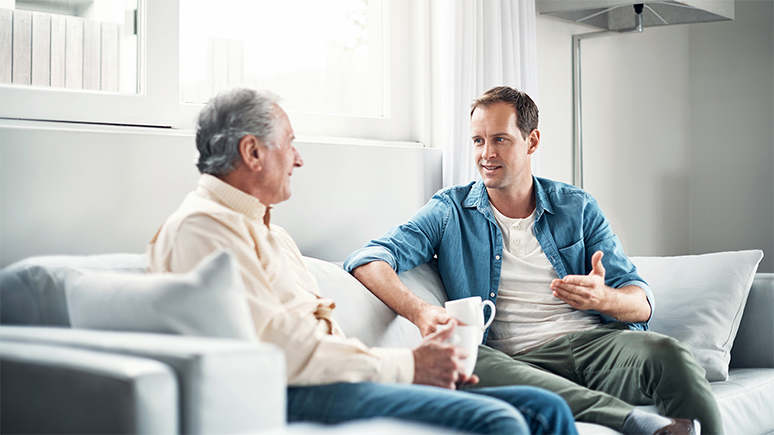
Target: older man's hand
{"type": "Point", "coordinates": [438, 363]}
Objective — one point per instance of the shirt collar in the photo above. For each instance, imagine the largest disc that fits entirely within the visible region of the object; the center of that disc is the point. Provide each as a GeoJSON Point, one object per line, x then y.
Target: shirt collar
{"type": "Point", "coordinates": [541, 199]}
{"type": "Point", "coordinates": [233, 198]}
{"type": "Point", "coordinates": [479, 198]}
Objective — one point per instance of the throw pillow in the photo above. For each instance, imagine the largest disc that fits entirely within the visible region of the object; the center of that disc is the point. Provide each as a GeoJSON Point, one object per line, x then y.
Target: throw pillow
{"type": "Point", "coordinates": [32, 293]}
{"type": "Point", "coordinates": [208, 301]}
{"type": "Point", "coordinates": [700, 300]}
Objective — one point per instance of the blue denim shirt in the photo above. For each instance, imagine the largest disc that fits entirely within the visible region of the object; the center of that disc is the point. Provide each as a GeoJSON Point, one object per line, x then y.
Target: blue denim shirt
{"type": "Point", "coordinates": [457, 226]}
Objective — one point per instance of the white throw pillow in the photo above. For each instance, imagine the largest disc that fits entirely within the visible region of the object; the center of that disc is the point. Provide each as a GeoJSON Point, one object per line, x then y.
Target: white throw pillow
{"type": "Point", "coordinates": [208, 301]}
{"type": "Point", "coordinates": [700, 300]}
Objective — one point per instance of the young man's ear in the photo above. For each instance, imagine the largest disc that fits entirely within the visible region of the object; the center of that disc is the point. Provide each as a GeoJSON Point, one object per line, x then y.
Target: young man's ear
{"type": "Point", "coordinates": [534, 141]}
{"type": "Point", "coordinates": [251, 151]}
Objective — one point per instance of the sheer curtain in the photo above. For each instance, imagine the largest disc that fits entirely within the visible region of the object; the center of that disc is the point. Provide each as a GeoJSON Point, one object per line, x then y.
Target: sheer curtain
{"type": "Point", "coordinates": [476, 44]}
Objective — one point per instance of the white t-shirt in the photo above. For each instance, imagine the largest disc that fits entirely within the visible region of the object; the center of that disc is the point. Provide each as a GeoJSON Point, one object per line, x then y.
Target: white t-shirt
{"type": "Point", "coordinates": [528, 315]}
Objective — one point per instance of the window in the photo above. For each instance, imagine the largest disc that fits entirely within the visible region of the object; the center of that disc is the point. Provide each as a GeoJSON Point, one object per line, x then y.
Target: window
{"type": "Point", "coordinates": [329, 60]}
{"type": "Point", "coordinates": [73, 44]}
{"type": "Point", "coordinates": [344, 68]}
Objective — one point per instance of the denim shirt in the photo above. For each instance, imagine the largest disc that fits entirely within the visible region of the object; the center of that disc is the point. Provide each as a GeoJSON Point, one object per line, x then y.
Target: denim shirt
{"type": "Point", "coordinates": [457, 226]}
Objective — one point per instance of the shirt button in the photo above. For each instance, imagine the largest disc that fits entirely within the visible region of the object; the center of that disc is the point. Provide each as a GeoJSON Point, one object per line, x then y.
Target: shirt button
{"type": "Point", "coordinates": [491, 295]}
{"type": "Point", "coordinates": [517, 241]}
{"type": "Point", "coordinates": [497, 257]}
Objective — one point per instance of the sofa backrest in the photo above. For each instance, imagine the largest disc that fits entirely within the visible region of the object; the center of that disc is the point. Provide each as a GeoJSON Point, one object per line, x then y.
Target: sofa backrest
{"type": "Point", "coordinates": [754, 344]}
{"type": "Point", "coordinates": [362, 315]}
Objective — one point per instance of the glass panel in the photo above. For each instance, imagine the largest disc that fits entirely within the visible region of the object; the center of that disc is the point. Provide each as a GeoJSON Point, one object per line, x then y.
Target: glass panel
{"type": "Point", "coordinates": [76, 44]}
{"type": "Point", "coordinates": [319, 56]}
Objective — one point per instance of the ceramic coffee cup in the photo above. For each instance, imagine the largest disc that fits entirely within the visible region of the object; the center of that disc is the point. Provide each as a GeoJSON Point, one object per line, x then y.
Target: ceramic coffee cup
{"type": "Point", "coordinates": [468, 338]}
{"type": "Point", "coordinates": [470, 311]}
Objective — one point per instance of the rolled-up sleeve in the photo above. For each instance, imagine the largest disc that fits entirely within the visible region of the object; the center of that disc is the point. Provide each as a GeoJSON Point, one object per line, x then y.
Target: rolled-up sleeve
{"type": "Point", "coordinates": [620, 271]}
{"type": "Point", "coordinates": [406, 246]}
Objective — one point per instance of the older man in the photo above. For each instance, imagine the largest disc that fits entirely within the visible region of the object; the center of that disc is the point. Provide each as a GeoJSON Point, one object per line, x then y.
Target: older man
{"type": "Point", "coordinates": [534, 247]}
{"type": "Point", "coordinates": [246, 156]}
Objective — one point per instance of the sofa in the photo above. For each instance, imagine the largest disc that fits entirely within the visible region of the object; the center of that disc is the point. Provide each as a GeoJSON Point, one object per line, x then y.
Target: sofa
{"type": "Point", "coordinates": [93, 344]}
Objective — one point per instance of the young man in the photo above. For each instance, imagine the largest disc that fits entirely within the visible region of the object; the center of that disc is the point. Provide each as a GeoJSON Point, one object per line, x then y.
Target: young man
{"type": "Point", "coordinates": [246, 156]}
{"type": "Point", "coordinates": [534, 247]}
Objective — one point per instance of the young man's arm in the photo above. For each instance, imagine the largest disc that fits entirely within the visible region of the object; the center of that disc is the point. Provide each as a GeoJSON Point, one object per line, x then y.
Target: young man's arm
{"type": "Point", "coordinates": [617, 292]}
{"type": "Point", "coordinates": [403, 247]}
{"type": "Point", "coordinates": [384, 283]}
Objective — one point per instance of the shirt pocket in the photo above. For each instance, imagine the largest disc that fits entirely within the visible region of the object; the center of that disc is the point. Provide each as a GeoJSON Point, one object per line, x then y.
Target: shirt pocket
{"type": "Point", "coordinates": [574, 257]}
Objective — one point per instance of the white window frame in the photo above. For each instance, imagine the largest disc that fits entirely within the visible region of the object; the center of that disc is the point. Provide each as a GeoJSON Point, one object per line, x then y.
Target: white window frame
{"type": "Point", "coordinates": [154, 104]}
{"type": "Point", "coordinates": [158, 101]}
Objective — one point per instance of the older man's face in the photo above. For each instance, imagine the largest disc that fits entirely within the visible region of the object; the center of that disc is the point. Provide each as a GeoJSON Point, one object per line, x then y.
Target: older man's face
{"type": "Point", "coordinates": [280, 162]}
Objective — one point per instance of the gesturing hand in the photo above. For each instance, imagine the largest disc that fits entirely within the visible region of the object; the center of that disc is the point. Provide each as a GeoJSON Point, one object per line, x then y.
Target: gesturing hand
{"type": "Point", "coordinates": [584, 292]}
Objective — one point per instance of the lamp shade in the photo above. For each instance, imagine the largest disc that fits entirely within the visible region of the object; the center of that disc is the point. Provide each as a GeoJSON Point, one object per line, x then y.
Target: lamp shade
{"type": "Point", "coordinates": [618, 15]}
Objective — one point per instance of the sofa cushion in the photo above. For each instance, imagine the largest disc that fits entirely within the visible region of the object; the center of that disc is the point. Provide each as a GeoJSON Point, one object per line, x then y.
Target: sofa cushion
{"type": "Point", "coordinates": [700, 300]}
{"type": "Point", "coordinates": [358, 312]}
{"type": "Point", "coordinates": [56, 389]}
{"type": "Point", "coordinates": [225, 386]}
{"type": "Point", "coordinates": [745, 401]}
{"type": "Point", "coordinates": [208, 301]}
{"type": "Point", "coordinates": [425, 281]}
{"type": "Point", "coordinates": [32, 291]}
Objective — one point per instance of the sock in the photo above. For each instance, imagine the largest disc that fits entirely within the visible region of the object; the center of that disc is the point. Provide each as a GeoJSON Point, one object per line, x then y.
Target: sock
{"type": "Point", "coordinates": [640, 422]}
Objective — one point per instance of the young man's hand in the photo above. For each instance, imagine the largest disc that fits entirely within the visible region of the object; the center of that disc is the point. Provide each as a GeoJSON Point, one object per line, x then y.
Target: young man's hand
{"type": "Point", "coordinates": [589, 292]}
{"type": "Point", "coordinates": [430, 318]}
{"type": "Point", "coordinates": [584, 292]}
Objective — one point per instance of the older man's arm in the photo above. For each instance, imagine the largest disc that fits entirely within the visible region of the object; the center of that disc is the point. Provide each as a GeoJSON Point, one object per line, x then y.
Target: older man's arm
{"type": "Point", "coordinates": [314, 353]}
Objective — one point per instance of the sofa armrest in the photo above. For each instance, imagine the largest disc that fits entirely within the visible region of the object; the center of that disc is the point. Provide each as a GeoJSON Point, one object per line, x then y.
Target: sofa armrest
{"type": "Point", "coordinates": [226, 386]}
{"type": "Point", "coordinates": [54, 389]}
{"type": "Point", "coordinates": [754, 344]}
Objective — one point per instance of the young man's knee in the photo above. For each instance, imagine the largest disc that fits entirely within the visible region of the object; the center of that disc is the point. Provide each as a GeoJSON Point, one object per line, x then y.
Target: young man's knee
{"type": "Point", "coordinates": [670, 355]}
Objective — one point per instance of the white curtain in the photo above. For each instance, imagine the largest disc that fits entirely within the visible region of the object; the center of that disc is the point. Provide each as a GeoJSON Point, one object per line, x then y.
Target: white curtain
{"type": "Point", "coordinates": [476, 45]}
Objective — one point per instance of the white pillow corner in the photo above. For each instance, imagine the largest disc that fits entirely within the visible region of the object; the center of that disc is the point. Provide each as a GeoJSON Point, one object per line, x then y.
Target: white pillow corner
{"type": "Point", "coordinates": [716, 285]}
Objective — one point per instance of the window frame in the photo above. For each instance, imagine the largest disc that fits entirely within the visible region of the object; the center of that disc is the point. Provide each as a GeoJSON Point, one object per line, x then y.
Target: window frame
{"type": "Point", "coordinates": [152, 105]}
{"type": "Point", "coordinates": [158, 102]}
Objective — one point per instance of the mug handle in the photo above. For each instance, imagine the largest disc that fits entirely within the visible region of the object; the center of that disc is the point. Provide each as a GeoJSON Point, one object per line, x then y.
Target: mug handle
{"type": "Point", "coordinates": [492, 316]}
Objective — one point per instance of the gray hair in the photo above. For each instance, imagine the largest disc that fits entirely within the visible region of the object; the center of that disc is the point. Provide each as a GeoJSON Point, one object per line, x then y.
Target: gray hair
{"type": "Point", "coordinates": [226, 119]}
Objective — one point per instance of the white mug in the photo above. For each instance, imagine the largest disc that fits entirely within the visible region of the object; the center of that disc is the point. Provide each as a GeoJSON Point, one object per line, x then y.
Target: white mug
{"type": "Point", "coordinates": [470, 311]}
{"type": "Point", "coordinates": [468, 338]}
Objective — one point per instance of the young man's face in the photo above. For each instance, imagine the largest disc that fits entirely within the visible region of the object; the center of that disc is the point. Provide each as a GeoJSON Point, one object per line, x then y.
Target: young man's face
{"type": "Point", "coordinates": [280, 162]}
{"type": "Point", "coordinates": [502, 155]}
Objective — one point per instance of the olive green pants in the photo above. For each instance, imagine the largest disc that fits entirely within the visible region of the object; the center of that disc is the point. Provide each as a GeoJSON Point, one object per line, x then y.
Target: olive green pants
{"type": "Point", "coordinates": [602, 373]}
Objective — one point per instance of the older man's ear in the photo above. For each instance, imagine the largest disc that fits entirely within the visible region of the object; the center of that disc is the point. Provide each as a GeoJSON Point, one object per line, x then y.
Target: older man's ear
{"type": "Point", "coordinates": [251, 150]}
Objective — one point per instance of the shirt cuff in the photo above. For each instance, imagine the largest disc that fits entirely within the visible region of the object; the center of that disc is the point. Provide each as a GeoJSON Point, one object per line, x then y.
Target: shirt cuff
{"type": "Point", "coordinates": [397, 365]}
{"type": "Point", "coordinates": [367, 255]}
{"type": "Point", "coordinates": [648, 295]}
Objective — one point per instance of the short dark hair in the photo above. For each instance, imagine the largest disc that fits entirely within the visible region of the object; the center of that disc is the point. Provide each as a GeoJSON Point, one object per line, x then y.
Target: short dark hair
{"type": "Point", "coordinates": [225, 120]}
{"type": "Point", "coordinates": [526, 109]}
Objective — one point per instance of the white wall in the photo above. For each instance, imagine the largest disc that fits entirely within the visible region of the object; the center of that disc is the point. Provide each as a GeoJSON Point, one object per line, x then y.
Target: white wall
{"type": "Point", "coordinates": [732, 141]}
{"type": "Point", "coordinates": [76, 190]}
{"type": "Point", "coordinates": [651, 139]}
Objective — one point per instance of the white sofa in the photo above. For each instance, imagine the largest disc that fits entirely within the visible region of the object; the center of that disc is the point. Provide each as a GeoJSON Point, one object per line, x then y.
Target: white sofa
{"type": "Point", "coordinates": [93, 336]}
